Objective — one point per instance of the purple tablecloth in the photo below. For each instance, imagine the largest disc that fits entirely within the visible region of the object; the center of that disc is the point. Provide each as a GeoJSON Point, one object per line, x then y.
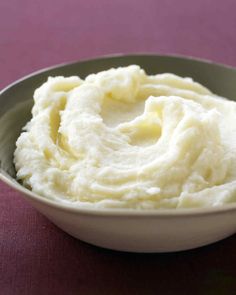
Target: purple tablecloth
{"type": "Point", "coordinates": [35, 256]}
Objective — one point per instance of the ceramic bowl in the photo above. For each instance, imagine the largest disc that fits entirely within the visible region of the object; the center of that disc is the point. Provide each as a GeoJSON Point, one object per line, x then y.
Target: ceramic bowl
{"type": "Point", "coordinates": [125, 230]}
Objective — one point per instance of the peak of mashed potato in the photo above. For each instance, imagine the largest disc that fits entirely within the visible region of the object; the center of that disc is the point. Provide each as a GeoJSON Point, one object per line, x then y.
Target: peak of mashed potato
{"type": "Point", "coordinates": [124, 139]}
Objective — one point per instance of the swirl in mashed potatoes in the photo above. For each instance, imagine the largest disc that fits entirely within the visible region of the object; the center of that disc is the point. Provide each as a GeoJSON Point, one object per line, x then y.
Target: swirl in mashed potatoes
{"type": "Point", "coordinates": [124, 139]}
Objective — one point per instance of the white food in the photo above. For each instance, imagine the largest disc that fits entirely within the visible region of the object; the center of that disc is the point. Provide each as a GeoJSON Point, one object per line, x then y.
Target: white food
{"type": "Point", "coordinates": [124, 139]}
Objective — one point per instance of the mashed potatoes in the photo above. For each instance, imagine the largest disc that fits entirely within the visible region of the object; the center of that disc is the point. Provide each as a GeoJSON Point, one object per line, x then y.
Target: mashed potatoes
{"type": "Point", "coordinates": [123, 139]}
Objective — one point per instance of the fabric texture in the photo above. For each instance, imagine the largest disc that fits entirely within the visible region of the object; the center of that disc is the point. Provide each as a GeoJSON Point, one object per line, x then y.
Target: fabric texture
{"type": "Point", "coordinates": [35, 256]}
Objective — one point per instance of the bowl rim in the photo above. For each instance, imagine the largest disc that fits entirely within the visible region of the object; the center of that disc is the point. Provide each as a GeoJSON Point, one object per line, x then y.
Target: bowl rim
{"type": "Point", "coordinates": [99, 211]}
{"type": "Point", "coordinates": [127, 212]}
{"type": "Point", "coordinates": [117, 55]}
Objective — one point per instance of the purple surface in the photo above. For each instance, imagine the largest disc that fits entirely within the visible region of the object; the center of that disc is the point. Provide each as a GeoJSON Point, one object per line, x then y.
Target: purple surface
{"type": "Point", "coordinates": [35, 256]}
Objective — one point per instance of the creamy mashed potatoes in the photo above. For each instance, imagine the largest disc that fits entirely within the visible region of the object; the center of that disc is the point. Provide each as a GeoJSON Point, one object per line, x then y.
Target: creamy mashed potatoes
{"type": "Point", "coordinates": [124, 139]}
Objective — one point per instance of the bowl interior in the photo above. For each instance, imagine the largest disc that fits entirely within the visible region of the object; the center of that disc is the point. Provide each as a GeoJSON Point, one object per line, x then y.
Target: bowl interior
{"type": "Point", "coordinates": [16, 100]}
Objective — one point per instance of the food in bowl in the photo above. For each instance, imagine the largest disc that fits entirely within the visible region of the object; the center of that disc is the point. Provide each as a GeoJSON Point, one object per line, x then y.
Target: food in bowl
{"type": "Point", "coordinates": [124, 139]}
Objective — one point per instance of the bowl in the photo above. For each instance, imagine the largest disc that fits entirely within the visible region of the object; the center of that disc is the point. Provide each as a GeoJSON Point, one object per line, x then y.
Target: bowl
{"type": "Point", "coordinates": [126, 229]}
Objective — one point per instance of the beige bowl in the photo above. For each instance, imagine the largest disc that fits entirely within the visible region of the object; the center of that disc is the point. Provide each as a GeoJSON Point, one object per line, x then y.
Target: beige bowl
{"type": "Point", "coordinates": [125, 230]}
